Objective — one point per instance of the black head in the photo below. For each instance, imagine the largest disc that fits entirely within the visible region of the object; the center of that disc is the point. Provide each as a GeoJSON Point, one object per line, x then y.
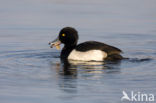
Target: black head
{"type": "Point", "coordinates": [68, 36]}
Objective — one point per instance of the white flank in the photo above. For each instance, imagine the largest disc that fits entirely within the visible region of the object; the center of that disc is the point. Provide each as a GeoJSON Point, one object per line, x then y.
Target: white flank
{"type": "Point", "coordinates": [95, 55]}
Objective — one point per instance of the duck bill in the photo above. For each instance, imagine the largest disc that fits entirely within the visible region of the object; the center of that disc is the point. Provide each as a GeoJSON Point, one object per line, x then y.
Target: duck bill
{"type": "Point", "coordinates": [56, 43]}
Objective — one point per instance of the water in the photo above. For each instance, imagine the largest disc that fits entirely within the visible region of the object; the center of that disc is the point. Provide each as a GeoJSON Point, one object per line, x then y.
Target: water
{"type": "Point", "coordinates": [31, 72]}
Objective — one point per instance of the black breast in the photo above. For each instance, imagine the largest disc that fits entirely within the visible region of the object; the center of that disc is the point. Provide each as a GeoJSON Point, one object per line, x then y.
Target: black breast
{"type": "Point", "coordinates": [66, 51]}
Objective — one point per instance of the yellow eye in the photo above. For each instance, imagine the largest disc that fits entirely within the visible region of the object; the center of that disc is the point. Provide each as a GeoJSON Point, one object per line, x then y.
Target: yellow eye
{"type": "Point", "coordinates": [63, 34]}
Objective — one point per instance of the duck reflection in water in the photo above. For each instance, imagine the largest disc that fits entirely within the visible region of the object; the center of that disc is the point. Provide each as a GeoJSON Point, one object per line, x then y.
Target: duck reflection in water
{"type": "Point", "coordinates": [70, 72]}
{"type": "Point", "coordinates": [70, 67]}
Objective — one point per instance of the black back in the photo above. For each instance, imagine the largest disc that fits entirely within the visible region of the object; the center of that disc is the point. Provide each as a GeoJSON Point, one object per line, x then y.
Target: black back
{"type": "Point", "coordinates": [94, 45]}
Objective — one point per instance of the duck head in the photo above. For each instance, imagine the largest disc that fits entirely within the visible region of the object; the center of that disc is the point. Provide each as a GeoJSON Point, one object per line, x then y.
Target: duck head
{"type": "Point", "coordinates": [67, 36]}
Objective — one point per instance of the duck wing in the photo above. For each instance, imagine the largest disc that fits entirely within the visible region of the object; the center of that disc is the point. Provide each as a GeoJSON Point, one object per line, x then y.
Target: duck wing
{"type": "Point", "coordinates": [94, 45]}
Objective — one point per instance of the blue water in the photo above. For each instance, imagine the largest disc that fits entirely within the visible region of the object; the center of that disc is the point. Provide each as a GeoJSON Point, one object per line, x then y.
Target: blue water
{"type": "Point", "coordinates": [31, 72]}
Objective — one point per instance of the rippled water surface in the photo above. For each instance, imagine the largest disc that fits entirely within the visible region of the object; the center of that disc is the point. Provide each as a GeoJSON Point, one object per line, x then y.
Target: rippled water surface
{"type": "Point", "coordinates": [31, 72]}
